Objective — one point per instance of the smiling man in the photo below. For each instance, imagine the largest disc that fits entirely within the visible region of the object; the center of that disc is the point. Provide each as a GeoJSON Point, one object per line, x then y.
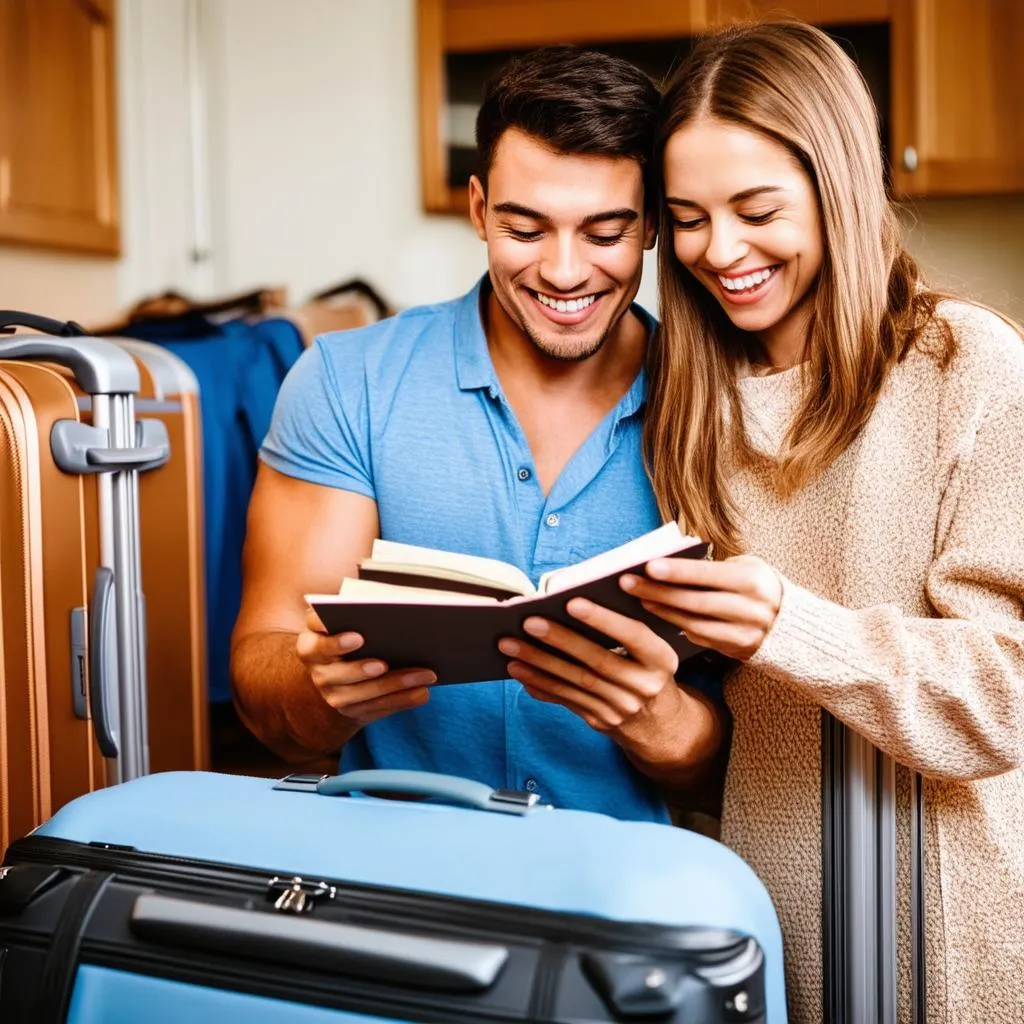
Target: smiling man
{"type": "Point", "coordinates": [507, 424]}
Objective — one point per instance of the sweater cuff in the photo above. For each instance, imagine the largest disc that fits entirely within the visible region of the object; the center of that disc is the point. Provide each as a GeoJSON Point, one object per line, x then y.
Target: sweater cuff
{"type": "Point", "coordinates": [811, 639]}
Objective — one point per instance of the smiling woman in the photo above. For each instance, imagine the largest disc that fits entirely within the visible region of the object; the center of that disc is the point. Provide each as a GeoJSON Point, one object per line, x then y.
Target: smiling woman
{"type": "Point", "coordinates": [856, 435]}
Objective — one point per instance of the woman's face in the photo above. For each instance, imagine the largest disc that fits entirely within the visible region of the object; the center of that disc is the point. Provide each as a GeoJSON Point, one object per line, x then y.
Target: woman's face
{"type": "Point", "coordinates": [746, 225]}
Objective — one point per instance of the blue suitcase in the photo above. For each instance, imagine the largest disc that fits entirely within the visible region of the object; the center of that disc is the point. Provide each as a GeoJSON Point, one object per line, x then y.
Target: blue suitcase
{"type": "Point", "coordinates": [194, 897]}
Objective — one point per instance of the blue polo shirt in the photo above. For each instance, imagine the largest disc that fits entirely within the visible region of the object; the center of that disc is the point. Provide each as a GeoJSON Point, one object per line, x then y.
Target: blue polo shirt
{"type": "Point", "coordinates": [409, 412]}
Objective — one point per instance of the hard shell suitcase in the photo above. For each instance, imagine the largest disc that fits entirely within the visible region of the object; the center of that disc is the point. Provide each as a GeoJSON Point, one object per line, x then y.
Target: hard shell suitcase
{"type": "Point", "coordinates": [201, 897]}
{"type": "Point", "coordinates": [76, 666]}
{"type": "Point", "coordinates": [48, 754]}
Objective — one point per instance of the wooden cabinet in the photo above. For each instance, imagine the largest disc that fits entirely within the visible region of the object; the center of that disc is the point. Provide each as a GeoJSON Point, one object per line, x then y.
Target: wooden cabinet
{"type": "Point", "coordinates": [945, 74]}
{"type": "Point", "coordinates": [58, 151]}
{"type": "Point", "coordinates": [958, 96]}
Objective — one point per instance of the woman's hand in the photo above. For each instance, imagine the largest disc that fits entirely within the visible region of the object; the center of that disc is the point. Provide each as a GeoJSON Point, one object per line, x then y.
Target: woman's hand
{"type": "Point", "coordinates": [630, 696]}
{"type": "Point", "coordinates": [729, 606]}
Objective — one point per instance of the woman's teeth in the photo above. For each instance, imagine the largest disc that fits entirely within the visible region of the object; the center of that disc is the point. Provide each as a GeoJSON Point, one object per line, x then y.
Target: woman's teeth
{"type": "Point", "coordinates": [565, 305]}
{"type": "Point", "coordinates": [748, 281]}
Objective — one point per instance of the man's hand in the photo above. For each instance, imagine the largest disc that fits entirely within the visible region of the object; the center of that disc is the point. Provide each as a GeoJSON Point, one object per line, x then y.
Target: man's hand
{"type": "Point", "coordinates": [632, 696]}
{"type": "Point", "coordinates": [729, 606]}
{"type": "Point", "coordinates": [359, 690]}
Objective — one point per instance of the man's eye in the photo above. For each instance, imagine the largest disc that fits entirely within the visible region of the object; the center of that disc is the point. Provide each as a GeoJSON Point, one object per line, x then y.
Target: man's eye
{"type": "Point", "coordinates": [605, 239]}
{"type": "Point", "coordinates": [524, 236]}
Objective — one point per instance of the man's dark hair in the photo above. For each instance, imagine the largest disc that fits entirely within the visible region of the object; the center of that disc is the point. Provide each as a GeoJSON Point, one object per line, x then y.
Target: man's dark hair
{"type": "Point", "coordinates": [577, 102]}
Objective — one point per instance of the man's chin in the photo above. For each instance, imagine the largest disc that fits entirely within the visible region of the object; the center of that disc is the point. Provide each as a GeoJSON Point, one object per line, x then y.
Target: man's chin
{"type": "Point", "coordinates": [568, 349]}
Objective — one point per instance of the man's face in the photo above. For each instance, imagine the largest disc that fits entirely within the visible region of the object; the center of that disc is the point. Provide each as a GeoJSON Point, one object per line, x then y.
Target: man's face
{"type": "Point", "coordinates": [565, 238]}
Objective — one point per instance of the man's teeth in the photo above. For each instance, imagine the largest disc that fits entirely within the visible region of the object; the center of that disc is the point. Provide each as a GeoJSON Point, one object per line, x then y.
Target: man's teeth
{"type": "Point", "coordinates": [566, 305]}
{"type": "Point", "coordinates": [739, 284]}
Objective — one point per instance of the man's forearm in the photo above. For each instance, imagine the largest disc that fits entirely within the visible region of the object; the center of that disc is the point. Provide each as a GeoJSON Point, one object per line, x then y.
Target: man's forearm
{"type": "Point", "coordinates": [279, 703]}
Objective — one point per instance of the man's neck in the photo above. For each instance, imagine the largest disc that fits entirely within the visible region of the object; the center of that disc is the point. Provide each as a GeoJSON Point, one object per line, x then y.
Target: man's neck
{"type": "Point", "coordinates": [522, 367]}
{"type": "Point", "coordinates": [559, 403]}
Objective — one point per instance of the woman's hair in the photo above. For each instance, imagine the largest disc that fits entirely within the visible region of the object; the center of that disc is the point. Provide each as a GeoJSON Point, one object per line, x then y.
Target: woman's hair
{"type": "Point", "coordinates": [790, 82]}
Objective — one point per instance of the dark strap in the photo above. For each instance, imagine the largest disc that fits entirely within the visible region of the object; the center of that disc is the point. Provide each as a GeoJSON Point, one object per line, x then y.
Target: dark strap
{"type": "Point", "coordinates": [58, 978]}
{"type": "Point", "coordinates": [11, 318]}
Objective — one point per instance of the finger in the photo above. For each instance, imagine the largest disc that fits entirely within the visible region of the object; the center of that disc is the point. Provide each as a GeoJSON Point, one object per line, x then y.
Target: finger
{"type": "Point", "coordinates": [622, 687]}
{"type": "Point", "coordinates": [647, 649]}
{"type": "Point", "coordinates": [645, 646]}
{"type": "Point", "coordinates": [390, 704]}
{"type": "Point", "coordinates": [709, 604]}
{"type": "Point", "coordinates": [320, 649]}
{"type": "Point", "coordinates": [342, 688]}
{"type": "Point", "coordinates": [313, 622]}
{"type": "Point", "coordinates": [588, 705]}
{"type": "Point", "coordinates": [734, 639]}
{"type": "Point", "coordinates": [741, 574]}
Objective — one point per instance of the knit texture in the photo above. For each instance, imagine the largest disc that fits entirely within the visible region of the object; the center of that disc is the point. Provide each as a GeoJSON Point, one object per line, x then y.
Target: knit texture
{"type": "Point", "coordinates": [902, 615]}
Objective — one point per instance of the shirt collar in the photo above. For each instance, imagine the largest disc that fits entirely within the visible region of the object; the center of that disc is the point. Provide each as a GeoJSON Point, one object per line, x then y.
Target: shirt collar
{"type": "Point", "coordinates": [473, 367]}
{"type": "Point", "coordinates": [475, 371]}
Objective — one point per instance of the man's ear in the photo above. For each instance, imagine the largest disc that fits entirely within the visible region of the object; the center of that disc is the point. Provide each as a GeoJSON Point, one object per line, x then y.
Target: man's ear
{"type": "Point", "coordinates": [650, 230]}
{"type": "Point", "coordinates": [478, 207]}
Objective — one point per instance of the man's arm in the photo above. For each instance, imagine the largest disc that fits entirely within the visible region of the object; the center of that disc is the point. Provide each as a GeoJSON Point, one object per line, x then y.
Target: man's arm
{"type": "Point", "coordinates": [291, 687]}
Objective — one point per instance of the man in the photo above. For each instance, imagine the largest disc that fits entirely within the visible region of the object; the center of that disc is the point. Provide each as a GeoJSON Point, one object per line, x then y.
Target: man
{"type": "Point", "coordinates": [506, 424]}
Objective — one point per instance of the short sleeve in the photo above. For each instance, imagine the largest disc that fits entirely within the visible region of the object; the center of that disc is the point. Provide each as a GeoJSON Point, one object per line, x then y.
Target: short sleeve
{"type": "Point", "coordinates": [320, 429]}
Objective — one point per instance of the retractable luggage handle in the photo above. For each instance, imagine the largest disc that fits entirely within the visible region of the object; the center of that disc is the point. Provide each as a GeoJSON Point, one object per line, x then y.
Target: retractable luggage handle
{"type": "Point", "coordinates": [116, 447]}
{"type": "Point", "coordinates": [449, 788]}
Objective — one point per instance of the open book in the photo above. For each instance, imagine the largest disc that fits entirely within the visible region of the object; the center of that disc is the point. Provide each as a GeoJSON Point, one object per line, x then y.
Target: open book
{"type": "Point", "coordinates": [419, 607]}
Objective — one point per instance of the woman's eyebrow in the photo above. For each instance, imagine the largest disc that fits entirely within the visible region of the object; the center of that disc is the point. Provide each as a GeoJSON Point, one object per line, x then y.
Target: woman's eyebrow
{"type": "Point", "coordinates": [747, 193]}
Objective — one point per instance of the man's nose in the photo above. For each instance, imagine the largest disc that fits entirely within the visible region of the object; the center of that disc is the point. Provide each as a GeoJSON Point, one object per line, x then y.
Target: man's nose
{"type": "Point", "coordinates": [726, 245]}
{"type": "Point", "coordinates": [563, 264]}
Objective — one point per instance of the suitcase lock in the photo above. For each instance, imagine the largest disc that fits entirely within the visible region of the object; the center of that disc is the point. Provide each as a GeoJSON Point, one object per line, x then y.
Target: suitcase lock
{"type": "Point", "coordinates": [296, 895]}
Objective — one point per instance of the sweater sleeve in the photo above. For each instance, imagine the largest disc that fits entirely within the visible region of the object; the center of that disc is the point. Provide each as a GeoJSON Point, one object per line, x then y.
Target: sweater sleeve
{"type": "Point", "coordinates": [942, 695]}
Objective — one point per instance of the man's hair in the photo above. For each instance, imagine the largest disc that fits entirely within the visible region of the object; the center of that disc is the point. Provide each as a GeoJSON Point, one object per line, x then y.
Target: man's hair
{"type": "Point", "coordinates": [576, 102]}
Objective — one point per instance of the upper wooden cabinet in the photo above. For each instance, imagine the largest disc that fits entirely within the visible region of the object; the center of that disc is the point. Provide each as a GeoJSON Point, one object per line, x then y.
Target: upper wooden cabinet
{"type": "Point", "coordinates": [945, 74]}
{"type": "Point", "coordinates": [958, 96]}
{"type": "Point", "coordinates": [58, 149]}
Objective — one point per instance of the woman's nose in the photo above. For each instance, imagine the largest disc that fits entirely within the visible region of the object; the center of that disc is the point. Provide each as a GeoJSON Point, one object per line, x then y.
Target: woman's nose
{"type": "Point", "coordinates": [725, 245]}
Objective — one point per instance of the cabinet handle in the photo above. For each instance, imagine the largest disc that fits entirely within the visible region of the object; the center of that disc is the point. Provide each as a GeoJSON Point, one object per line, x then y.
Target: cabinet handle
{"type": "Point", "coordinates": [910, 159]}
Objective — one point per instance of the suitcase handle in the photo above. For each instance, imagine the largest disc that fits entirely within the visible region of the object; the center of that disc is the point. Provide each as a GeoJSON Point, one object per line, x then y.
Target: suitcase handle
{"type": "Point", "coordinates": [11, 318]}
{"type": "Point", "coordinates": [100, 367]}
{"type": "Point", "coordinates": [100, 669]}
{"type": "Point", "coordinates": [449, 788]}
{"type": "Point", "coordinates": [393, 957]}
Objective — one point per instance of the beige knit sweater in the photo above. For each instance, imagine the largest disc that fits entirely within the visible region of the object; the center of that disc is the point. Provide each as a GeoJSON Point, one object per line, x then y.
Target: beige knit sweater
{"type": "Point", "coordinates": [903, 615]}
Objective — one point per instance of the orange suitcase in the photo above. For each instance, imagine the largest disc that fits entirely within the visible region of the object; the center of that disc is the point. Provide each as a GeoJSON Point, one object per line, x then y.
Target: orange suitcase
{"type": "Point", "coordinates": [72, 635]}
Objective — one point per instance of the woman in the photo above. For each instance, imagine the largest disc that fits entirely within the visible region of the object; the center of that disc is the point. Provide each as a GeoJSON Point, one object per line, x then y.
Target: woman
{"type": "Point", "coordinates": [853, 441]}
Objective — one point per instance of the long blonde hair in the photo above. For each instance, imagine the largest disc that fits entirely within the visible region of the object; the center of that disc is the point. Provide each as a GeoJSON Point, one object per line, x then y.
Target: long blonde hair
{"type": "Point", "coordinates": [790, 82]}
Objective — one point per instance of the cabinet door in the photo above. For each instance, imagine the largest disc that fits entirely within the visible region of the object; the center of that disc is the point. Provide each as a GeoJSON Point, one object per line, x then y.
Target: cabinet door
{"type": "Point", "coordinates": [58, 166]}
{"type": "Point", "coordinates": [957, 81]}
{"type": "Point", "coordinates": [817, 12]}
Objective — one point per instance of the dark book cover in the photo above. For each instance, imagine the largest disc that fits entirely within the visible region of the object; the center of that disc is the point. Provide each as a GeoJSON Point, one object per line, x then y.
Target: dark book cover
{"type": "Point", "coordinates": [460, 642]}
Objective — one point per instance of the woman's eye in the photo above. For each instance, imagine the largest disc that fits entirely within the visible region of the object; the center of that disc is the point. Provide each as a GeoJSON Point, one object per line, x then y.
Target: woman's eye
{"type": "Point", "coordinates": [759, 218]}
{"type": "Point", "coordinates": [688, 225]}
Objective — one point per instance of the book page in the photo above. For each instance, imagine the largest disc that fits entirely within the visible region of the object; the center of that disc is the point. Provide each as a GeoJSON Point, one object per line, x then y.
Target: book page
{"type": "Point", "coordinates": [666, 540]}
{"type": "Point", "coordinates": [473, 568]}
{"type": "Point", "coordinates": [355, 591]}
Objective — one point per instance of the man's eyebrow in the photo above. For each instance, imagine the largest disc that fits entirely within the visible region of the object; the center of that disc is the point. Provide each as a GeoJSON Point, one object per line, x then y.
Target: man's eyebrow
{"type": "Point", "coordinates": [747, 193]}
{"type": "Point", "coordinates": [518, 210]}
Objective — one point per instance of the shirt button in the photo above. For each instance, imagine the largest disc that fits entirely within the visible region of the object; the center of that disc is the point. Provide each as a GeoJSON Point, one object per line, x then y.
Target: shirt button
{"type": "Point", "coordinates": [523, 474]}
{"type": "Point", "coordinates": [553, 519]}
{"type": "Point", "coordinates": [531, 785]}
